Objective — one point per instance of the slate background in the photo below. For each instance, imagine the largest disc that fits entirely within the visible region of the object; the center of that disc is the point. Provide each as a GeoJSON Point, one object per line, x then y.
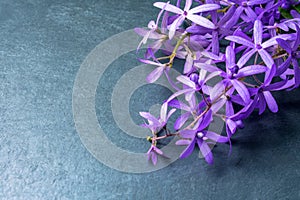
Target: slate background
{"type": "Point", "coordinates": [42, 44]}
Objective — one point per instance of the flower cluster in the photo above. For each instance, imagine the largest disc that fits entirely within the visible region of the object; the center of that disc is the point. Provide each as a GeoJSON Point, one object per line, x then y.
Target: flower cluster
{"type": "Point", "coordinates": [251, 46]}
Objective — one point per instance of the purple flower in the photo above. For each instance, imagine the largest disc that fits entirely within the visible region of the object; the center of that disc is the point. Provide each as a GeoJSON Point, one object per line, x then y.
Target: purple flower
{"type": "Point", "coordinates": [158, 35]}
{"type": "Point", "coordinates": [151, 34]}
{"type": "Point", "coordinates": [227, 99]}
{"type": "Point", "coordinates": [197, 82]}
{"type": "Point", "coordinates": [156, 73]}
{"type": "Point", "coordinates": [201, 137]}
{"type": "Point", "coordinates": [231, 125]}
{"type": "Point", "coordinates": [153, 26]}
{"type": "Point", "coordinates": [192, 109]}
{"type": "Point", "coordinates": [255, 30]}
{"type": "Point", "coordinates": [235, 71]}
{"type": "Point", "coordinates": [294, 56]}
{"type": "Point", "coordinates": [273, 27]}
{"type": "Point", "coordinates": [220, 29]}
{"type": "Point", "coordinates": [189, 14]}
{"type": "Point", "coordinates": [264, 96]}
{"type": "Point", "coordinates": [153, 152]}
{"type": "Point", "coordinates": [156, 124]}
{"type": "Point", "coordinates": [258, 45]}
{"type": "Point", "coordinates": [245, 6]}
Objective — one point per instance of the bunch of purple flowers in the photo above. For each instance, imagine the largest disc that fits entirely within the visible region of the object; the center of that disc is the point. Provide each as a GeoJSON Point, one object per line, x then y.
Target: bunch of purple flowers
{"type": "Point", "coordinates": [249, 45]}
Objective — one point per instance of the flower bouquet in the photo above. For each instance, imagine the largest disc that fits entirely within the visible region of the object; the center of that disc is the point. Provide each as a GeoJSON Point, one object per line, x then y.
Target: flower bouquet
{"type": "Point", "coordinates": [251, 46]}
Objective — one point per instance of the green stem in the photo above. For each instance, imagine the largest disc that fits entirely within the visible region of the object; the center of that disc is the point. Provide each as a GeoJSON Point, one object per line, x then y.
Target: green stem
{"type": "Point", "coordinates": [173, 55]}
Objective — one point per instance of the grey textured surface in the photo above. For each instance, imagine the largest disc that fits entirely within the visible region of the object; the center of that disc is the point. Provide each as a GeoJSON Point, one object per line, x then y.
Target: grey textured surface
{"type": "Point", "coordinates": [42, 44]}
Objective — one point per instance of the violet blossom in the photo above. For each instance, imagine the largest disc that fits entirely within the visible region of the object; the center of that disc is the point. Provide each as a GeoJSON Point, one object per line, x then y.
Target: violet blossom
{"type": "Point", "coordinates": [249, 45]}
{"type": "Point", "coordinates": [201, 137]}
{"type": "Point", "coordinates": [188, 13]}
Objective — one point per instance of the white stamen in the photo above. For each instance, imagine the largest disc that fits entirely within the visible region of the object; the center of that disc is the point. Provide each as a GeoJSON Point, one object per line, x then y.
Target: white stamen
{"type": "Point", "coordinates": [200, 134]}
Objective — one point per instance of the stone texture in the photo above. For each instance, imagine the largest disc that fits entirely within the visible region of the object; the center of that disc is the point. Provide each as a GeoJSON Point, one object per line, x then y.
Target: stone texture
{"type": "Point", "coordinates": [42, 44]}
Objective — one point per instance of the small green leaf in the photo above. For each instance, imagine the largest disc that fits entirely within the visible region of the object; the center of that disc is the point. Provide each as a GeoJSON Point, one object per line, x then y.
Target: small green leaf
{"type": "Point", "coordinates": [297, 8]}
{"type": "Point", "coordinates": [285, 13]}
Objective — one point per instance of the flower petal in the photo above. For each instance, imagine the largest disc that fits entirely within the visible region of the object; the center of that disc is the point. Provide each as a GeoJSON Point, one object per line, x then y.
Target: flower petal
{"type": "Point", "coordinates": [212, 75]}
{"type": "Point", "coordinates": [188, 150]}
{"type": "Point", "coordinates": [207, 67]}
{"type": "Point", "coordinates": [216, 137]}
{"type": "Point", "coordinates": [284, 66]}
{"type": "Point", "coordinates": [155, 46]}
{"type": "Point", "coordinates": [175, 25]}
{"type": "Point", "coordinates": [271, 101]}
{"type": "Point", "coordinates": [231, 126]}
{"type": "Point", "coordinates": [151, 62]}
{"type": "Point", "coordinates": [270, 73]}
{"type": "Point", "coordinates": [160, 13]}
{"type": "Point", "coordinates": [186, 81]}
{"type": "Point", "coordinates": [154, 158]}
{"type": "Point", "coordinates": [155, 74]}
{"type": "Point", "coordinates": [256, 2]}
{"type": "Point", "coordinates": [157, 150]}
{"type": "Point", "coordinates": [251, 70]}
{"type": "Point", "coordinates": [273, 40]}
{"type": "Point", "coordinates": [217, 90]}
{"type": "Point", "coordinates": [206, 151]}
{"type": "Point", "coordinates": [179, 105]}
{"type": "Point", "coordinates": [164, 22]}
{"type": "Point", "coordinates": [188, 66]}
{"type": "Point", "coordinates": [149, 117]}
{"type": "Point", "coordinates": [250, 13]}
{"type": "Point", "coordinates": [229, 109]}
{"type": "Point", "coordinates": [218, 105]}
{"type": "Point", "coordinates": [183, 142]}
{"type": "Point", "coordinates": [187, 133]}
{"type": "Point", "coordinates": [265, 56]}
{"type": "Point", "coordinates": [188, 4]}
{"type": "Point", "coordinates": [181, 120]}
{"type": "Point", "coordinates": [204, 8]}
{"type": "Point", "coordinates": [202, 75]}
{"type": "Point", "coordinates": [231, 22]}
{"type": "Point", "coordinates": [297, 41]}
{"type": "Point", "coordinates": [241, 90]}
{"type": "Point", "coordinates": [207, 118]}
{"type": "Point", "coordinates": [201, 21]}
{"type": "Point", "coordinates": [149, 33]}
{"type": "Point", "coordinates": [230, 57]}
{"type": "Point", "coordinates": [192, 103]}
{"type": "Point", "coordinates": [240, 40]}
{"type": "Point", "coordinates": [227, 16]}
{"type": "Point", "coordinates": [244, 59]}
{"type": "Point", "coordinates": [171, 112]}
{"type": "Point", "coordinates": [215, 42]}
{"type": "Point", "coordinates": [163, 112]}
{"type": "Point", "coordinates": [168, 7]}
{"type": "Point", "coordinates": [261, 104]}
{"type": "Point", "coordinates": [178, 93]}
{"type": "Point", "coordinates": [257, 32]}
{"type": "Point", "coordinates": [276, 85]}
{"type": "Point", "coordinates": [212, 56]}
{"type": "Point", "coordinates": [283, 26]}
{"type": "Point", "coordinates": [189, 95]}
{"type": "Point", "coordinates": [284, 44]}
{"type": "Point", "coordinates": [246, 111]}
